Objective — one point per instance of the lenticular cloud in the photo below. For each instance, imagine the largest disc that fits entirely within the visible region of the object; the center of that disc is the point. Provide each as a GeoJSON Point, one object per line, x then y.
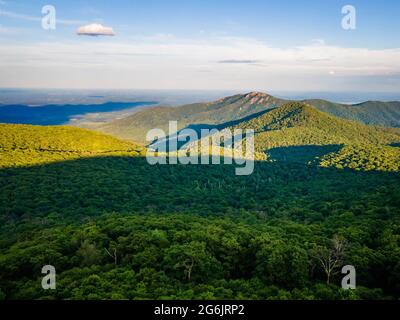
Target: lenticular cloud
{"type": "Point", "coordinates": [95, 30]}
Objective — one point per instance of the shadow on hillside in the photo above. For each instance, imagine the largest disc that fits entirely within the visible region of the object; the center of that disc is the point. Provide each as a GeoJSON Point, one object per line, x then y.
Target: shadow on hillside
{"type": "Point", "coordinates": [181, 137]}
{"type": "Point", "coordinates": [248, 118]}
{"type": "Point", "coordinates": [73, 191]}
{"type": "Point", "coordinates": [302, 154]}
{"type": "Point", "coordinates": [203, 126]}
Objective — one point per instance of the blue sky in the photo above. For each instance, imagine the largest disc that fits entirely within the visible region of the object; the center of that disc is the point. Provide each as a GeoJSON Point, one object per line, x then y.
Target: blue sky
{"type": "Point", "coordinates": [220, 44]}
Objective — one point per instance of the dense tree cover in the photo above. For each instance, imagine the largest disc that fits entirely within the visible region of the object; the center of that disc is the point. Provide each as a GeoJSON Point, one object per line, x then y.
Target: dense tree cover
{"type": "Point", "coordinates": [26, 145]}
{"type": "Point", "coordinates": [299, 124]}
{"type": "Point", "coordinates": [184, 256]}
{"type": "Point", "coordinates": [117, 228]}
{"type": "Point", "coordinates": [298, 132]}
{"type": "Point", "coordinates": [379, 113]}
{"type": "Point", "coordinates": [366, 157]}
{"type": "Point", "coordinates": [61, 138]}
{"type": "Point", "coordinates": [285, 209]}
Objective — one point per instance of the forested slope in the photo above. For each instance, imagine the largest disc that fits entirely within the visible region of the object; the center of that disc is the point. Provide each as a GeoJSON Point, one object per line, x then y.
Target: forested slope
{"type": "Point", "coordinates": [240, 108]}
{"type": "Point", "coordinates": [116, 227]}
{"type": "Point", "coordinates": [22, 145]}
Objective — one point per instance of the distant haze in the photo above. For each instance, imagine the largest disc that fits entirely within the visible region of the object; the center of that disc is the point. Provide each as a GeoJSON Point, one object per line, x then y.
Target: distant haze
{"type": "Point", "coordinates": [36, 97]}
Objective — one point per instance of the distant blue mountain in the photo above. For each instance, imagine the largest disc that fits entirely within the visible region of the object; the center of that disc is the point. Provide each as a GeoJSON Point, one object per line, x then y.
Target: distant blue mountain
{"type": "Point", "coordinates": [59, 114]}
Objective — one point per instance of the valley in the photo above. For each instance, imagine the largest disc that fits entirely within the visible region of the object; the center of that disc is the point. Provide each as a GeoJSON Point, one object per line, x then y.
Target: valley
{"type": "Point", "coordinates": [69, 196]}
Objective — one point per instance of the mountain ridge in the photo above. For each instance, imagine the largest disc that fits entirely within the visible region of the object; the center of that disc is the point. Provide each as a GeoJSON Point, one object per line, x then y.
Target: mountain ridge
{"type": "Point", "coordinates": [297, 123]}
{"type": "Point", "coordinates": [217, 112]}
{"type": "Point", "coordinates": [238, 107]}
{"type": "Point", "coordinates": [299, 132]}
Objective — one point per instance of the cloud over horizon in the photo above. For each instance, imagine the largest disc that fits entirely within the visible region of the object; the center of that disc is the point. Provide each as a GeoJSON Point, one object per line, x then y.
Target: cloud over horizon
{"type": "Point", "coordinates": [95, 30]}
{"type": "Point", "coordinates": [242, 61]}
{"type": "Point", "coordinates": [213, 62]}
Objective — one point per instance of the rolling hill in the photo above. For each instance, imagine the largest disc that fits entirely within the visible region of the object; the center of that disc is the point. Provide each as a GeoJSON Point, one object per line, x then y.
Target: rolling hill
{"type": "Point", "coordinates": [28, 145]}
{"type": "Point", "coordinates": [221, 111]}
{"type": "Point", "coordinates": [297, 131]}
{"type": "Point", "coordinates": [297, 123]}
{"type": "Point", "coordinates": [386, 114]}
{"type": "Point", "coordinates": [239, 108]}
{"type": "Point", "coordinates": [291, 131]}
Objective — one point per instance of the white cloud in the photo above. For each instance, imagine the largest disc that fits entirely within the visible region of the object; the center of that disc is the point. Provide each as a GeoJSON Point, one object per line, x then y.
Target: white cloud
{"type": "Point", "coordinates": [95, 29]}
{"type": "Point", "coordinates": [170, 62]}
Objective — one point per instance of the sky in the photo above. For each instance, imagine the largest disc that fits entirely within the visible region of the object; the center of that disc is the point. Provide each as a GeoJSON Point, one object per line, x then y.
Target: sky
{"type": "Point", "coordinates": [286, 45]}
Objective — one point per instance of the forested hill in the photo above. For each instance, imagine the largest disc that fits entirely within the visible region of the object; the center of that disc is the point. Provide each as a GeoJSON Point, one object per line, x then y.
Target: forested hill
{"type": "Point", "coordinates": [293, 131]}
{"type": "Point", "coordinates": [297, 123]}
{"type": "Point", "coordinates": [116, 227]}
{"type": "Point", "coordinates": [379, 113]}
{"type": "Point", "coordinates": [240, 108]}
{"type": "Point", "coordinates": [29, 145]}
{"type": "Point", "coordinates": [69, 197]}
{"type": "Point", "coordinates": [221, 111]}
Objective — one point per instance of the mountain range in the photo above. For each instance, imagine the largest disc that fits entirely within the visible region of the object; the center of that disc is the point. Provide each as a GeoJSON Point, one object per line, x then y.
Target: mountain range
{"type": "Point", "coordinates": [284, 131]}
{"type": "Point", "coordinates": [239, 108]}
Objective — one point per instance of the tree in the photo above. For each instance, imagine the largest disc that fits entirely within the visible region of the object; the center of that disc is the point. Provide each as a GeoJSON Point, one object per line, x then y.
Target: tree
{"type": "Point", "coordinates": [331, 258]}
{"type": "Point", "coordinates": [190, 258]}
{"type": "Point", "coordinates": [283, 264]}
{"type": "Point", "coordinates": [113, 255]}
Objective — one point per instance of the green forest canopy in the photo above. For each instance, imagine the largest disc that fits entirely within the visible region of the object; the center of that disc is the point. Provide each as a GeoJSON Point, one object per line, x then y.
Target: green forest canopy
{"type": "Point", "coordinates": [71, 197]}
